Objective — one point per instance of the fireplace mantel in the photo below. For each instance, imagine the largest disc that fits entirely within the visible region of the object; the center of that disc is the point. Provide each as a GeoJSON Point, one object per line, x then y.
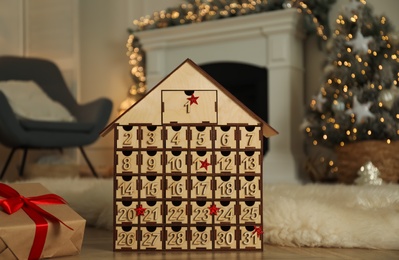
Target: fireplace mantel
{"type": "Point", "coordinates": [273, 40]}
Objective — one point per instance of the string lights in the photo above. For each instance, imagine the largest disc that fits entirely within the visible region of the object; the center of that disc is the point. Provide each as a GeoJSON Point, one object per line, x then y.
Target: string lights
{"type": "Point", "coordinates": [315, 13]}
{"type": "Point", "coordinates": [137, 61]}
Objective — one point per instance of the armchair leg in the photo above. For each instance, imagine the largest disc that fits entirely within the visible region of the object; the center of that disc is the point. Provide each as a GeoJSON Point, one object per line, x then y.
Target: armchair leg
{"type": "Point", "coordinates": [21, 170]}
{"type": "Point", "coordinates": [88, 162]}
{"type": "Point", "coordinates": [7, 162]}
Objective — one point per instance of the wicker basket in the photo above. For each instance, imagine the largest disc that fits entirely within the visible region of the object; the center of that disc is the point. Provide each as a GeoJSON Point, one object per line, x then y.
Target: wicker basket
{"type": "Point", "coordinates": [354, 155]}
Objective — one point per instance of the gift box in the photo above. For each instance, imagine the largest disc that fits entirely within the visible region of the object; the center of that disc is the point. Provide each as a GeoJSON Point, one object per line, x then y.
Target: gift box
{"type": "Point", "coordinates": [37, 224]}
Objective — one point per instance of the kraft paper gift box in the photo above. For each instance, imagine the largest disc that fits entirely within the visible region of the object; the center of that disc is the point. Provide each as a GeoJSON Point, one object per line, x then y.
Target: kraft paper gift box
{"type": "Point", "coordinates": [18, 233]}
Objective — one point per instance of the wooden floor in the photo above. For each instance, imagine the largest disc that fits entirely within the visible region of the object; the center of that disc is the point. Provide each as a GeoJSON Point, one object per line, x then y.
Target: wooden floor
{"type": "Point", "coordinates": [97, 244]}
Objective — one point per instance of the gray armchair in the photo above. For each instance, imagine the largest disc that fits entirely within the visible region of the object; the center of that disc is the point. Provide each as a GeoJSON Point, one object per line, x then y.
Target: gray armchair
{"type": "Point", "coordinates": [17, 133]}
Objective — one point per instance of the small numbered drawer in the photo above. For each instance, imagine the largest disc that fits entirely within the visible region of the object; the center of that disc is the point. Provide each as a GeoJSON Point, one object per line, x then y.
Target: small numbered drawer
{"type": "Point", "coordinates": [201, 137]}
{"type": "Point", "coordinates": [126, 238]}
{"type": "Point", "coordinates": [176, 137]}
{"type": "Point", "coordinates": [126, 187]}
{"type": "Point", "coordinates": [151, 238]}
{"type": "Point", "coordinates": [251, 137]}
{"type": "Point", "coordinates": [127, 212]}
{"type": "Point", "coordinates": [201, 187]}
{"type": "Point", "coordinates": [151, 137]}
{"type": "Point", "coordinates": [176, 186]}
{"type": "Point", "coordinates": [250, 186]}
{"type": "Point", "coordinates": [226, 213]}
{"type": "Point", "coordinates": [225, 187]}
{"type": "Point", "coordinates": [176, 212]}
{"type": "Point", "coordinates": [201, 237]}
{"type": "Point", "coordinates": [176, 237]}
{"type": "Point", "coordinates": [250, 162]}
{"type": "Point", "coordinates": [201, 162]}
{"type": "Point", "coordinates": [127, 136]}
{"type": "Point", "coordinates": [225, 162]}
{"type": "Point", "coordinates": [225, 237]}
{"type": "Point", "coordinates": [225, 137]}
{"type": "Point", "coordinates": [152, 213]}
{"type": "Point", "coordinates": [127, 161]}
{"type": "Point", "coordinates": [151, 187]}
{"type": "Point", "coordinates": [151, 161]}
{"type": "Point", "coordinates": [250, 212]}
{"type": "Point", "coordinates": [176, 162]}
{"type": "Point", "coordinates": [251, 237]}
{"type": "Point", "coordinates": [201, 212]}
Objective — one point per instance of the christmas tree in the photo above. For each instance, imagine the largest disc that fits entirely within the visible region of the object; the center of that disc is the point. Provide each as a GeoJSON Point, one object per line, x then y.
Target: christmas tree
{"type": "Point", "coordinates": [359, 96]}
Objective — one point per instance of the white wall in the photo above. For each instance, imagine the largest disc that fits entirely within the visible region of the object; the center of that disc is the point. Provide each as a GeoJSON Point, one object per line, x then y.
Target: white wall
{"type": "Point", "coordinates": [11, 27]}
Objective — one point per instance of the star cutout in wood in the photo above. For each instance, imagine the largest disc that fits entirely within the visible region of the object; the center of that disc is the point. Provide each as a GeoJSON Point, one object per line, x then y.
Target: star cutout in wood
{"type": "Point", "coordinates": [213, 210]}
{"type": "Point", "coordinates": [360, 44]}
{"type": "Point", "coordinates": [204, 164]}
{"type": "Point", "coordinates": [361, 111]}
{"type": "Point", "coordinates": [193, 99]}
{"type": "Point", "coordinates": [140, 210]}
{"type": "Point", "coordinates": [258, 231]}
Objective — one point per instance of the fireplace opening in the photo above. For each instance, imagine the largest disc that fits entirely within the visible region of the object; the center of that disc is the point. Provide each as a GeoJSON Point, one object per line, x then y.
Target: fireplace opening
{"type": "Point", "coordinates": [248, 83]}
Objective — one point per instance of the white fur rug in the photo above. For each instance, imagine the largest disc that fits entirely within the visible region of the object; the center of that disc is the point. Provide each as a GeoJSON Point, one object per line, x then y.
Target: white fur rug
{"type": "Point", "coordinates": [294, 215]}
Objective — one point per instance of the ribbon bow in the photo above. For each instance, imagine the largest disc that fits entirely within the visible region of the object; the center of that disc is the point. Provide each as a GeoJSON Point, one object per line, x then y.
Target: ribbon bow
{"type": "Point", "coordinates": [13, 201]}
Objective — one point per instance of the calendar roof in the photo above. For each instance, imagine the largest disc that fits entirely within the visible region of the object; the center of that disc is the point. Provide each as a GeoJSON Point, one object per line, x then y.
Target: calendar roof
{"type": "Point", "coordinates": [189, 95]}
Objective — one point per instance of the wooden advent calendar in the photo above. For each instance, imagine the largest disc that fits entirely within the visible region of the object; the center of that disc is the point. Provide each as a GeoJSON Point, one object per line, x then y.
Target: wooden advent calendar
{"type": "Point", "coordinates": [188, 168]}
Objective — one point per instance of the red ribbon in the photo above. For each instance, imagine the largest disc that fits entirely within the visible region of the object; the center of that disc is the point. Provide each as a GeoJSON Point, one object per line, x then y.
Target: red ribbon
{"type": "Point", "coordinates": [14, 201]}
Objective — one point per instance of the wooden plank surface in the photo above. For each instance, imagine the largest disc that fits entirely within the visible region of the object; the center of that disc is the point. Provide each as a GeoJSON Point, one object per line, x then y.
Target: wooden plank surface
{"type": "Point", "coordinates": [97, 244]}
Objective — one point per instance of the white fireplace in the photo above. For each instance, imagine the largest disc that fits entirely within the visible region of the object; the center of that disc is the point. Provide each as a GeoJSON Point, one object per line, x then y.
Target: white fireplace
{"type": "Point", "coordinates": [273, 40]}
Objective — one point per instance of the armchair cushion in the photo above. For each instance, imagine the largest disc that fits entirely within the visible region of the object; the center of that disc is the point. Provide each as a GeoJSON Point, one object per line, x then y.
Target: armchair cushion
{"type": "Point", "coordinates": [29, 101]}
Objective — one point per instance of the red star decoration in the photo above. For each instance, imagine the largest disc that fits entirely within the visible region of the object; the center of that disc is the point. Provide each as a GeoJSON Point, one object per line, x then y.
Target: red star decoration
{"type": "Point", "coordinates": [193, 99]}
{"type": "Point", "coordinates": [204, 164]}
{"type": "Point", "coordinates": [140, 210]}
{"type": "Point", "coordinates": [258, 231]}
{"type": "Point", "coordinates": [213, 210]}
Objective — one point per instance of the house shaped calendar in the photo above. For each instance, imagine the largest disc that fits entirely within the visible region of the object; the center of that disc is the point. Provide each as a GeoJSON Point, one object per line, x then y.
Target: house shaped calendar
{"type": "Point", "coordinates": [188, 168]}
